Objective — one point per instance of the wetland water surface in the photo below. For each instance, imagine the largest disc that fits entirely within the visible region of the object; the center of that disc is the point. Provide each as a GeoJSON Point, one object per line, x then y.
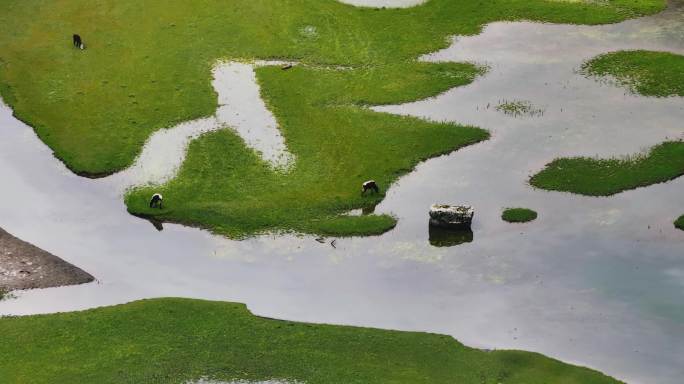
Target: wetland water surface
{"type": "Point", "coordinates": [594, 281]}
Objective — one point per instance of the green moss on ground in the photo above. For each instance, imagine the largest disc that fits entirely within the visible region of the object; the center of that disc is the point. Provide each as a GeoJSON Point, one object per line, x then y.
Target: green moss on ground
{"type": "Point", "coordinates": [518, 215]}
{"type": "Point", "coordinates": [147, 66]}
{"type": "Point", "coordinates": [604, 177]}
{"type": "Point", "coordinates": [647, 73]}
{"type": "Point", "coordinates": [177, 340]}
{"type": "Point", "coordinates": [679, 223]}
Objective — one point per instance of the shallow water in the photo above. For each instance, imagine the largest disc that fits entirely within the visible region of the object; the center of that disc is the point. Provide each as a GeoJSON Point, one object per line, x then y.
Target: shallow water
{"type": "Point", "coordinates": [384, 3]}
{"type": "Point", "coordinates": [240, 108]}
{"type": "Point", "coordinates": [596, 281]}
{"type": "Point", "coordinates": [209, 381]}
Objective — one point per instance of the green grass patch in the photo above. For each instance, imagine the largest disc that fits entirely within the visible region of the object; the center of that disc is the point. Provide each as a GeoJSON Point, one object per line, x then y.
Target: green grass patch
{"type": "Point", "coordinates": [338, 143]}
{"type": "Point", "coordinates": [518, 215]}
{"type": "Point", "coordinates": [679, 223]}
{"type": "Point", "coordinates": [647, 73]}
{"type": "Point", "coordinates": [176, 340]}
{"type": "Point", "coordinates": [604, 177]}
{"type": "Point", "coordinates": [644, 72]}
{"type": "Point", "coordinates": [147, 66]}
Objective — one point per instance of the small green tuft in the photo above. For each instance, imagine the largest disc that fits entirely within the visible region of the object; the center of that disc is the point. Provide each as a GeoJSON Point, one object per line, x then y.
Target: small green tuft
{"type": "Point", "coordinates": [519, 108]}
{"type": "Point", "coordinates": [679, 223]}
{"type": "Point", "coordinates": [518, 215]}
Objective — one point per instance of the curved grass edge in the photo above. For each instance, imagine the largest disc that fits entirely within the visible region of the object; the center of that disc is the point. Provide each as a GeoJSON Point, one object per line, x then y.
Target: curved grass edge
{"type": "Point", "coordinates": [679, 223]}
{"type": "Point", "coordinates": [518, 215]}
{"type": "Point", "coordinates": [606, 177]}
{"type": "Point", "coordinates": [84, 142]}
{"type": "Point", "coordinates": [176, 340]}
{"type": "Point", "coordinates": [647, 73]}
{"type": "Point", "coordinates": [238, 196]}
{"type": "Point", "coordinates": [338, 224]}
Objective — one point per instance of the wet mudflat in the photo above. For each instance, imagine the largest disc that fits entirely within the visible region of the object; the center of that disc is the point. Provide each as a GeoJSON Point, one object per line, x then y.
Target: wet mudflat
{"type": "Point", "coordinates": [595, 281]}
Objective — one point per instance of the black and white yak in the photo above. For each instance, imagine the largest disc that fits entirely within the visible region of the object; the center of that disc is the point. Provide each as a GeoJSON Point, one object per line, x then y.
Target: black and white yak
{"type": "Point", "coordinates": [78, 43]}
{"type": "Point", "coordinates": [156, 201]}
{"type": "Point", "coordinates": [369, 185]}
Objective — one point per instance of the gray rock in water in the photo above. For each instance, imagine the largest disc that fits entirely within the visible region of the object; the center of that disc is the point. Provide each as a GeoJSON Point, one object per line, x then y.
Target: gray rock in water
{"type": "Point", "coordinates": [451, 216]}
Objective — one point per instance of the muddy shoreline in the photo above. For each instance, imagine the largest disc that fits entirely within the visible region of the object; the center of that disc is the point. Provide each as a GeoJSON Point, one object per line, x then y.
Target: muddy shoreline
{"type": "Point", "coordinates": [25, 266]}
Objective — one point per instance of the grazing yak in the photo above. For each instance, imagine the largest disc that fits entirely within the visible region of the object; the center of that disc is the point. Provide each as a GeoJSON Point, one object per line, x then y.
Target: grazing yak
{"type": "Point", "coordinates": [156, 201]}
{"type": "Point", "coordinates": [369, 185]}
{"type": "Point", "coordinates": [78, 43]}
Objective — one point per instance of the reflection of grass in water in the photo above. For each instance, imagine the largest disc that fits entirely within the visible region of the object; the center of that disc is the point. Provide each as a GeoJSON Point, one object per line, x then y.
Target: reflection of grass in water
{"type": "Point", "coordinates": [518, 215]}
{"type": "Point", "coordinates": [603, 177]}
{"type": "Point", "coordinates": [180, 340]}
{"type": "Point", "coordinates": [5, 294]}
{"type": "Point", "coordinates": [679, 223]}
{"type": "Point", "coordinates": [647, 73]}
{"type": "Point", "coordinates": [519, 108]}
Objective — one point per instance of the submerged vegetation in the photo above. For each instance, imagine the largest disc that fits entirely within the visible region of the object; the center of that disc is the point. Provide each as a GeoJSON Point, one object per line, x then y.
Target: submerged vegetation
{"type": "Point", "coordinates": [604, 177]}
{"type": "Point", "coordinates": [518, 215]}
{"type": "Point", "coordinates": [178, 340]}
{"type": "Point", "coordinates": [519, 108]}
{"type": "Point", "coordinates": [679, 223]}
{"type": "Point", "coordinates": [647, 73]}
{"type": "Point", "coordinates": [147, 66]}
{"type": "Point", "coordinates": [4, 294]}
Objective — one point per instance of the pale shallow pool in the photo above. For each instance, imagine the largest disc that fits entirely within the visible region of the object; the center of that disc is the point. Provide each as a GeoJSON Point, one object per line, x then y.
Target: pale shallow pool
{"type": "Point", "coordinates": [594, 281]}
{"type": "Point", "coordinates": [384, 3]}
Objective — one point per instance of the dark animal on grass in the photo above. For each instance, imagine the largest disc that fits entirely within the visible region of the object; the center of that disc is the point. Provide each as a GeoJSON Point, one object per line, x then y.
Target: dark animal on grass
{"type": "Point", "coordinates": [369, 185]}
{"type": "Point", "coordinates": [156, 201]}
{"type": "Point", "coordinates": [78, 43]}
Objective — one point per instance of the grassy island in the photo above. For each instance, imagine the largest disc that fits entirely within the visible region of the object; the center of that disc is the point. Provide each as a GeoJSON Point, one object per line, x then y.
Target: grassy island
{"type": "Point", "coordinates": [605, 177]}
{"type": "Point", "coordinates": [679, 223]}
{"type": "Point", "coordinates": [646, 73]}
{"type": "Point", "coordinates": [518, 215]}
